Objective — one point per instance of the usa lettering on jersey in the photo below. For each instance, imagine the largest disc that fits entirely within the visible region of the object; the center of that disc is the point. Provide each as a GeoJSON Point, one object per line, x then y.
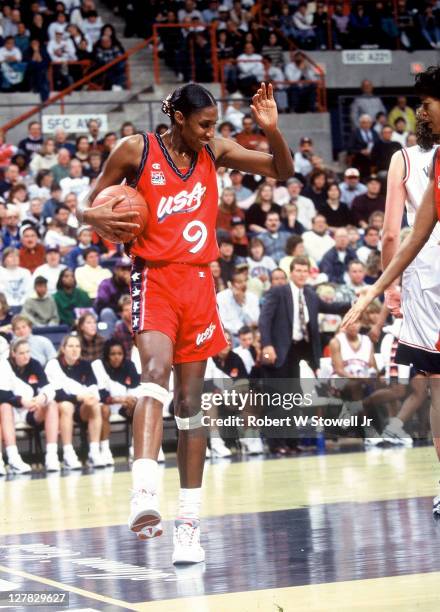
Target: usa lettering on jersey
{"type": "Point", "coordinates": [182, 202]}
{"type": "Point", "coordinates": [205, 335]}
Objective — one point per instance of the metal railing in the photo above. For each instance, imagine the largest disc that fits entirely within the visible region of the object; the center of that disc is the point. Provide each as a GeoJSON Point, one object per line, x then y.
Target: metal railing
{"type": "Point", "coordinates": [59, 97]}
{"type": "Point", "coordinates": [86, 66]}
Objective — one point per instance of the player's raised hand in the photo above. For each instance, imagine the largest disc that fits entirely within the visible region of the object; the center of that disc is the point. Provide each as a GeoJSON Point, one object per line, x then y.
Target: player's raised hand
{"type": "Point", "coordinates": [357, 310]}
{"type": "Point", "coordinates": [264, 108]}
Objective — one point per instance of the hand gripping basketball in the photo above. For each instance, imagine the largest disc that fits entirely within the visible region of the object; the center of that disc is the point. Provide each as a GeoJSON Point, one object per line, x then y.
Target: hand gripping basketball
{"type": "Point", "coordinates": [118, 213]}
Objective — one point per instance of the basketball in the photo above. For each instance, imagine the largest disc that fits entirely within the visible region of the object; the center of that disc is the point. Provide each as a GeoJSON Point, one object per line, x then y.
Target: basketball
{"type": "Point", "coordinates": [133, 201]}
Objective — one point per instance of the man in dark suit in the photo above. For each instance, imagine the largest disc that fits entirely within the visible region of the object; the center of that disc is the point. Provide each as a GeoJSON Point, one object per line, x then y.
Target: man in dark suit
{"type": "Point", "coordinates": [362, 141]}
{"type": "Point", "coordinates": [289, 324]}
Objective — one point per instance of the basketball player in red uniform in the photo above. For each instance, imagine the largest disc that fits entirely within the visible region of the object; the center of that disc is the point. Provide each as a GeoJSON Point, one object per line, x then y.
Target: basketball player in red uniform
{"type": "Point", "coordinates": [428, 213]}
{"type": "Point", "coordinates": [175, 317]}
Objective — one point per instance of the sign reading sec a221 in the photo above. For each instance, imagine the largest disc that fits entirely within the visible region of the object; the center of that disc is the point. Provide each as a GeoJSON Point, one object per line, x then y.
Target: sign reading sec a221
{"type": "Point", "coordinates": [73, 123]}
{"type": "Point", "coordinates": [367, 56]}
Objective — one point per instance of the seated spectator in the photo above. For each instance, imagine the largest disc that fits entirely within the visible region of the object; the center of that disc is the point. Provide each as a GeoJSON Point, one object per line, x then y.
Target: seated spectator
{"type": "Point", "coordinates": [62, 142]}
{"type": "Point", "coordinates": [122, 331]}
{"type": "Point", "coordinates": [239, 237]}
{"type": "Point", "coordinates": [68, 297]}
{"type": "Point", "coordinates": [15, 282]}
{"type": "Point", "coordinates": [21, 39]}
{"type": "Point", "coordinates": [316, 189]}
{"type": "Point", "coordinates": [104, 52]}
{"type": "Point", "coordinates": [92, 26]}
{"type": "Point", "coordinates": [369, 202]}
{"type": "Point", "coordinates": [61, 51]}
{"type": "Point", "coordinates": [91, 274]}
{"type": "Point", "coordinates": [256, 215]}
{"type": "Point", "coordinates": [61, 169]}
{"type": "Point", "coordinates": [238, 306]}
{"type": "Point", "coordinates": [38, 28]}
{"type": "Point", "coordinates": [403, 110]}
{"type": "Point", "coordinates": [340, 27]}
{"type": "Point", "coordinates": [400, 133]}
{"type": "Point", "coordinates": [352, 286]}
{"type": "Point", "coordinates": [305, 206]}
{"type": "Point", "coordinates": [75, 257]}
{"type": "Point", "coordinates": [58, 26]}
{"type": "Point", "coordinates": [28, 398]}
{"type": "Point", "coordinates": [359, 27]}
{"type": "Point", "coordinates": [259, 264]}
{"type": "Point", "coordinates": [304, 31]}
{"type": "Point", "coordinates": [317, 241]}
{"type": "Point", "coordinates": [76, 390]}
{"type": "Point", "coordinates": [19, 197]}
{"type": "Point", "coordinates": [234, 113]}
{"type": "Point", "coordinates": [429, 27]}
{"type": "Point", "coordinates": [336, 212]}
{"type": "Point", "coordinates": [302, 91]}
{"type": "Point", "coordinates": [275, 75]}
{"type": "Point", "coordinates": [94, 133]}
{"type": "Point", "coordinates": [118, 383]}
{"type": "Point", "coordinates": [320, 24]}
{"type": "Point", "coordinates": [361, 143]}
{"type": "Point", "coordinates": [92, 342]}
{"type": "Point", "coordinates": [41, 347]}
{"type": "Point", "coordinates": [31, 250]}
{"type": "Point", "coordinates": [11, 177]}
{"type": "Point", "coordinates": [335, 262]}
{"type": "Point", "coordinates": [383, 150]}
{"type": "Point", "coordinates": [242, 193]}
{"type": "Point", "coordinates": [351, 186]}
{"type": "Point", "coordinates": [380, 121]}
{"type": "Point", "coordinates": [33, 141]}
{"type": "Point", "coordinates": [94, 166]}
{"type": "Point", "coordinates": [110, 291]}
{"type": "Point", "coordinates": [302, 157]}
{"type": "Point", "coordinates": [12, 68]}
{"type": "Point", "coordinates": [245, 349]}
{"type": "Point", "coordinates": [45, 158]}
{"type": "Point", "coordinates": [76, 182]}
{"type": "Point", "coordinates": [228, 210]}
{"type": "Point", "coordinates": [216, 272]}
{"type": "Point", "coordinates": [40, 308]}
{"type": "Point", "coordinates": [37, 60]}
{"type": "Point", "coordinates": [227, 259]}
{"type": "Point", "coordinates": [373, 267]}
{"type": "Point", "coordinates": [57, 235]}
{"type": "Point", "coordinates": [289, 218]}
{"type": "Point", "coordinates": [250, 70]}
{"type": "Point", "coordinates": [51, 269]}
{"type": "Point", "coordinates": [82, 150]}
{"type": "Point", "coordinates": [10, 235]}
{"type": "Point", "coordinates": [5, 316]}
{"type": "Point", "coordinates": [366, 104]}
{"type": "Point", "coordinates": [371, 243]}
{"type": "Point", "coordinates": [249, 137]}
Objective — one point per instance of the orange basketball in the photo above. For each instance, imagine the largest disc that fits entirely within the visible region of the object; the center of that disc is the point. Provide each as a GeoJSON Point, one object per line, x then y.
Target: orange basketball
{"type": "Point", "coordinates": [133, 201]}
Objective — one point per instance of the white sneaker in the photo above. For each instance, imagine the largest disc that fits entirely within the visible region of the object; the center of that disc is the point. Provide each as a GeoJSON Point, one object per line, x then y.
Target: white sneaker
{"type": "Point", "coordinates": [395, 434]}
{"type": "Point", "coordinates": [144, 512]}
{"type": "Point", "coordinates": [252, 446]}
{"type": "Point", "coordinates": [71, 461]}
{"type": "Point", "coordinates": [161, 456]}
{"type": "Point", "coordinates": [52, 463]}
{"type": "Point", "coordinates": [96, 460]}
{"type": "Point", "coordinates": [186, 541]}
{"type": "Point", "coordinates": [152, 531]}
{"type": "Point", "coordinates": [107, 457]}
{"type": "Point", "coordinates": [219, 448]}
{"type": "Point", "coordinates": [2, 467]}
{"type": "Point", "coordinates": [18, 466]}
{"type": "Point", "coordinates": [436, 506]}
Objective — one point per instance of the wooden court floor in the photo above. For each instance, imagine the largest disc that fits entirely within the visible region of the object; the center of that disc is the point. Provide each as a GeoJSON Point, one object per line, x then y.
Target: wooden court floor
{"type": "Point", "coordinates": [334, 532]}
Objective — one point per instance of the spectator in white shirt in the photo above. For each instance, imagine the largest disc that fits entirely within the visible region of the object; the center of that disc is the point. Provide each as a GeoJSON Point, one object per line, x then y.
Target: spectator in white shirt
{"type": "Point", "coordinates": [275, 75]}
{"type": "Point", "coordinates": [302, 157]}
{"type": "Point", "coordinates": [400, 133]}
{"type": "Point", "coordinates": [91, 274]}
{"type": "Point", "coordinates": [234, 112]}
{"type": "Point", "coordinates": [61, 50]}
{"type": "Point", "coordinates": [250, 69]}
{"type": "Point", "coordinates": [302, 22]}
{"type": "Point", "coordinates": [302, 92]}
{"type": "Point", "coordinates": [52, 269]}
{"type": "Point", "coordinates": [238, 306]}
{"type": "Point", "coordinates": [318, 241]}
{"type": "Point", "coordinates": [92, 26]}
{"type": "Point", "coordinates": [15, 282]}
{"type": "Point", "coordinates": [305, 206]}
{"type": "Point", "coordinates": [9, 52]}
{"type": "Point", "coordinates": [75, 183]}
{"type": "Point", "coordinates": [59, 25]}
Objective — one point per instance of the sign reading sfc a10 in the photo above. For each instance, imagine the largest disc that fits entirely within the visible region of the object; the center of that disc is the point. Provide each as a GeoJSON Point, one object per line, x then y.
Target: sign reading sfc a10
{"type": "Point", "coordinates": [73, 123]}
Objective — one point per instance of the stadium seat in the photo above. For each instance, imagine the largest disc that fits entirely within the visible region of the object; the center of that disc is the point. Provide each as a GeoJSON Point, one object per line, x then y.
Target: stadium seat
{"type": "Point", "coordinates": [55, 333]}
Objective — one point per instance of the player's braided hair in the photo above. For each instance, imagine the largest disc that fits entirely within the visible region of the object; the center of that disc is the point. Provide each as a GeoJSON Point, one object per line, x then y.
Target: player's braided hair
{"type": "Point", "coordinates": [187, 99]}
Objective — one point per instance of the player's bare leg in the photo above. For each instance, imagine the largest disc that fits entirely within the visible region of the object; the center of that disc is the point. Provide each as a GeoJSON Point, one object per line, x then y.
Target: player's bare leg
{"type": "Point", "coordinates": [156, 353]}
{"type": "Point", "coordinates": [191, 453]}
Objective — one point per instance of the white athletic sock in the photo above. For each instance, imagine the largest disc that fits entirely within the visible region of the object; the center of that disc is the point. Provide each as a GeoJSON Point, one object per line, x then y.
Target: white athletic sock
{"type": "Point", "coordinates": [144, 475]}
{"type": "Point", "coordinates": [51, 448]}
{"type": "Point", "coordinates": [68, 449]}
{"type": "Point", "coordinates": [94, 448]}
{"type": "Point", "coordinates": [12, 452]}
{"type": "Point", "coordinates": [189, 503]}
{"type": "Point", "coordinates": [105, 445]}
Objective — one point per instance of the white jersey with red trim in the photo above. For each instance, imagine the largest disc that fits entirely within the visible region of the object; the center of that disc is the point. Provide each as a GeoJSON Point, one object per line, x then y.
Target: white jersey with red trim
{"type": "Point", "coordinates": [418, 164]}
{"type": "Point", "coordinates": [356, 362]}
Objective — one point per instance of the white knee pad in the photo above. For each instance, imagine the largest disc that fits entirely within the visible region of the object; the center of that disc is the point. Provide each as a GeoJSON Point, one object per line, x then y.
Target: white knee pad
{"type": "Point", "coordinates": [150, 389]}
{"type": "Point", "coordinates": [193, 422]}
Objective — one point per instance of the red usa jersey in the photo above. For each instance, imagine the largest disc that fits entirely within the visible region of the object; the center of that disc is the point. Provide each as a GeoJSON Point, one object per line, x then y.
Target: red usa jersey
{"type": "Point", "coordinates": [182, 206]}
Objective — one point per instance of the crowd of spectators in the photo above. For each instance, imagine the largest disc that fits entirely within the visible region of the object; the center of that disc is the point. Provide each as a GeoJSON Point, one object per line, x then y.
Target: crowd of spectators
{"type": "Point", "coordinates": [54, 272]}
{"type": "Point", "coordinates": [37, 35]}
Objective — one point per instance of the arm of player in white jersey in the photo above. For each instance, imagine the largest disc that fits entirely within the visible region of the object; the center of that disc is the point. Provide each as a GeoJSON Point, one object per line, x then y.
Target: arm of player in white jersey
{"type": "Point", "coordinates": [395, 203]}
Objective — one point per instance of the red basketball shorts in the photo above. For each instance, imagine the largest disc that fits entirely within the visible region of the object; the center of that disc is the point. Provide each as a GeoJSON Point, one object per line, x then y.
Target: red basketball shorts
{"type": "Point", "coordinates": [179, 301]}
